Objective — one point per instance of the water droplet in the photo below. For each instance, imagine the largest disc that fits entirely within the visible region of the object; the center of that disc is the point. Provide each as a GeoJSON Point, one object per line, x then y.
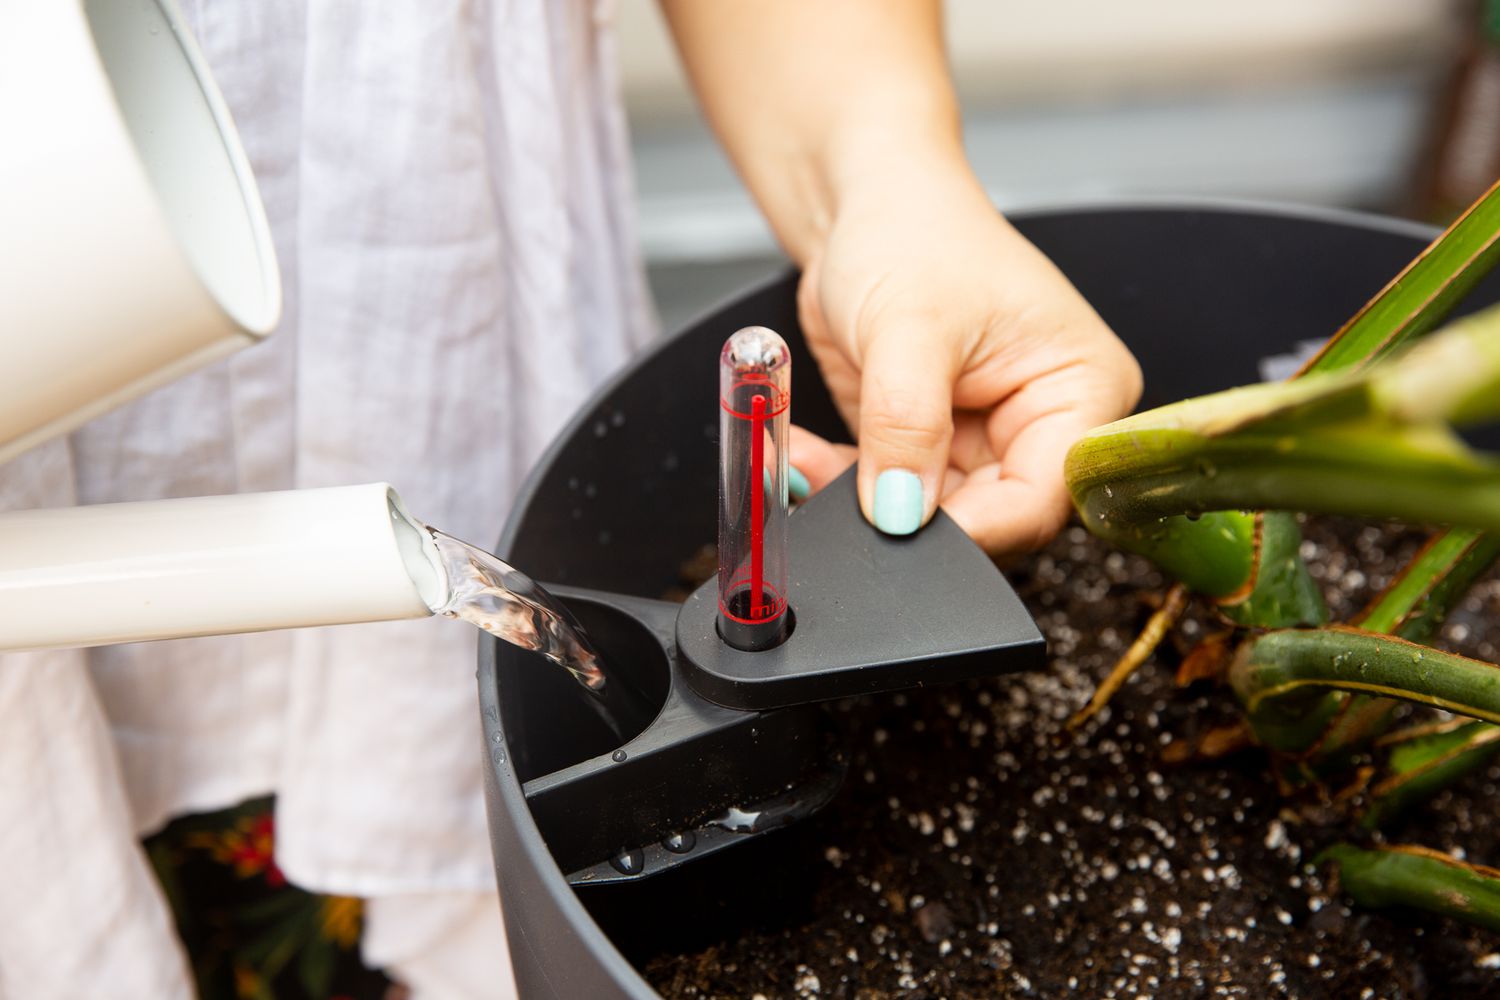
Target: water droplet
{"type": "Point", "coordinates": [590, 491]}
{"type": "Point", "coordinates": [618, 756]}
{"type": "Point", "coordinates": [669, 462]}
{"type": "Point", "coordinates": [600, 428]}
{"type": "Point", "coordinates": [1193, 515]}
{"type": "Point", "coordinates": [498, 738]}
{"type": "Point", "coordinates": [572, 482]}
{"type": "Point", "coordinates": [617, 418]}
{"type": "Point", "coordinates": [577, 513]}
{"type": "Point", "coordinates": [738, 820]}
{"type": "Point", "coordinates": [1206, 469]}
{"type": "Point", "coordinates": [680, 843]}
{"type": "Point", "coordinates": [499, 757]}
{"type": "Point", "coordinates": [629, 862]}
{"type": "Point", "coordinates": [1107, 491]}
{"type": "Point", "coordinates": [605, 538]}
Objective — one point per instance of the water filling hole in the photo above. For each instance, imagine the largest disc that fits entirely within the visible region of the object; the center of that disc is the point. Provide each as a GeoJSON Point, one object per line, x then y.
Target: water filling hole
{"type": "Point", "coordinates": [484, 590]}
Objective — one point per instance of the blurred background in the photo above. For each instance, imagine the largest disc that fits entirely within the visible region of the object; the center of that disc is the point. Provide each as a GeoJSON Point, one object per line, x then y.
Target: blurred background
{"type": "Point", "coordinates": [1386, 105]}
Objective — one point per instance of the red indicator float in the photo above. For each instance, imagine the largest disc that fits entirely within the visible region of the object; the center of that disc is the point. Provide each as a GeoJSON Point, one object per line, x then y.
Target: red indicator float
{"type": "Point", "coordinates": [755, 382]}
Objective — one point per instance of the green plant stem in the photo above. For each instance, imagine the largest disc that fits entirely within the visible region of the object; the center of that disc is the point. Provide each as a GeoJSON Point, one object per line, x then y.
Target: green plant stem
{"type": "Point", "coordinates": [1273, 673]}
{"type": "Point", "coordinates": [1414, 876]}
{"type": "Point", "coordinates": [1423, 294]}
{"type": "Point", "coordinates": [1216, 555]}
{"type": "Point", "coordinates": [1376, 470]}
{"type": "Point", "coordinates": [1412, 607]}
{"type": "Point", "coordinates": [1180, 485]}
{"type": "Point", "coordinates": [1420, 598]}
{"type": "Point", "coordinates": [1424, 766]}
{"type": "Point", "coordinates": [1371, 444]}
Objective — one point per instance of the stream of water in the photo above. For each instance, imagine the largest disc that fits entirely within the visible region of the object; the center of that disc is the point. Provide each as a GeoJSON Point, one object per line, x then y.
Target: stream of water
{"type": "Point", "coordinates": [490, 593]}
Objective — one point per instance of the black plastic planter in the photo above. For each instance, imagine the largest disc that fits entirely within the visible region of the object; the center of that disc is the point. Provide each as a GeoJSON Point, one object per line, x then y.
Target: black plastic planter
{"type": "Point", "coordinates": [1205, 296]}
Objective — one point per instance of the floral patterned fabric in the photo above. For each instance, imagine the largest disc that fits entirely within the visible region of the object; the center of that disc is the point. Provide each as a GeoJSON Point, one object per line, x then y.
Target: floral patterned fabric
{"type": "Point", "coordinates": [249, 934]}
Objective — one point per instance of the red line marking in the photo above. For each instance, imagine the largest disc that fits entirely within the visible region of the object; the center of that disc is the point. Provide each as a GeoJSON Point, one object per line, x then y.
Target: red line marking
{"type": "Point", "coordinates": [757, 505]}
{"type": "Point", "coordinates": [777, 605]}
{"type": "Point", "coordinates": [781, 400]}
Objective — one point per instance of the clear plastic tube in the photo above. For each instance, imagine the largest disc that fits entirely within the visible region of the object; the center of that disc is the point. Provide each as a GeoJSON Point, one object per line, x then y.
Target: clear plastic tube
{"type": "Point", "coordinates": [755, 382]}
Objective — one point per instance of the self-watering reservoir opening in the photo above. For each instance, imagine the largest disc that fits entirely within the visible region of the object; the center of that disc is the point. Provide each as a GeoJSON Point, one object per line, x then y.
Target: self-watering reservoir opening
{"type": "Point", "coordinates": [552, 721]}
{"type": "Point", "coordinates": [480, 588]}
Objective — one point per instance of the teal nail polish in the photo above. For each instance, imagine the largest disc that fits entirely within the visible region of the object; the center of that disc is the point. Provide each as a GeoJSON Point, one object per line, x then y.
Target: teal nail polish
{"type": "Point", "coordinates": [898, 502]}
{"type": "Point", "coordinates": [797, 483]}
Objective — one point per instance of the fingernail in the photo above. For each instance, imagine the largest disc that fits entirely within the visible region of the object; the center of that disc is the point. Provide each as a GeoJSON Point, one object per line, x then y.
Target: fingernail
{"type": "Point", "coordinates": [797, 483]}
{"type": "Point", "coordinates": [898, 502]}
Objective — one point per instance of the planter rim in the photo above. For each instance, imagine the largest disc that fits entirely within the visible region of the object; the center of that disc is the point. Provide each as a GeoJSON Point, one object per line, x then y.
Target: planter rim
{"type": "Point", "coordinates": [1223, 204]}
{"type": "Point", "coordinates": [534, 850]}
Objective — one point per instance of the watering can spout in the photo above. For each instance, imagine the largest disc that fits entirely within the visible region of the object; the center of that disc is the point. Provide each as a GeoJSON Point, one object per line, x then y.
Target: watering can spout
{"type": "Point", "coordinates": [131, 112]}
{"type": "Point", "coordinates": [132, 572]}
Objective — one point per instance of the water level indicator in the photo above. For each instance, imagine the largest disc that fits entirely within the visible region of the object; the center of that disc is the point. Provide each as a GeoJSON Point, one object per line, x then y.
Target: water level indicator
{"type": "Point", "coordinates": [755, 381]}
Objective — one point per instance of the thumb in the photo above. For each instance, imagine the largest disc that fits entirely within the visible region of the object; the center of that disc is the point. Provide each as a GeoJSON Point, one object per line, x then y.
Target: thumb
{"type": "Point", "coordinates": [905, 429]}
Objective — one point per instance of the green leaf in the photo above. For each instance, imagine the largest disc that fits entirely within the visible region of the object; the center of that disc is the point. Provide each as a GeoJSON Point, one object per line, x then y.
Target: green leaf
{"type": "Point", "coordinates": [1284, 594]}
{"type": "Point", "coordinates": [1419, 599]}
{"type": "Point", "coordinates": [1425, 766]}
{"type": "Point", "coordinates": [1418, 754]}
{"type": "Point", "coordinates": [1416, 876]}
{"type": "Point", "coordinates": [1452, 377]}
{"type": "Point", "coordinates": [1423, 294]}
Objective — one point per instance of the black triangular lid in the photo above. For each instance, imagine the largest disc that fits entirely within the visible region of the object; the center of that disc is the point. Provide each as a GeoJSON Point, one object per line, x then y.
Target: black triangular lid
{"type": "Point", "coordinates": [873, 612]}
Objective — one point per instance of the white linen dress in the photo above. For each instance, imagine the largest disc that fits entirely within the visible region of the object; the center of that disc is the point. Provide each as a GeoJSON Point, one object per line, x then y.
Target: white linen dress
{"type": "Point", "coordinates": [448, 186]}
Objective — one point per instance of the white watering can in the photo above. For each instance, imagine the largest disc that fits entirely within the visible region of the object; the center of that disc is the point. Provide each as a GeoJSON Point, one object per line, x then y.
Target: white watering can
{"type": "Point", "coordinates": [134, 249]}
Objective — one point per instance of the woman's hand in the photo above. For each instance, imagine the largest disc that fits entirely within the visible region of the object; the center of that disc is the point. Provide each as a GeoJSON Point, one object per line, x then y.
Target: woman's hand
{"type": "Point", "coordinates": [965, 363]}
{"type": "Point", "coordinates": [963, 360]}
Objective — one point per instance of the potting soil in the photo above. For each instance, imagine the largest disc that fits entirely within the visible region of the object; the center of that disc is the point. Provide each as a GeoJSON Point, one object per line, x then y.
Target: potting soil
{"type": "Point", "coordinates": [978, 850]}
